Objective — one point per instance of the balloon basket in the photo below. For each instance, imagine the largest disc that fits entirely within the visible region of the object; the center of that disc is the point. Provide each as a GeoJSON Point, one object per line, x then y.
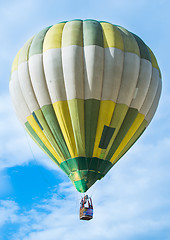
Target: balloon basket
{"type": "Point", "coordinates": [86, 213]}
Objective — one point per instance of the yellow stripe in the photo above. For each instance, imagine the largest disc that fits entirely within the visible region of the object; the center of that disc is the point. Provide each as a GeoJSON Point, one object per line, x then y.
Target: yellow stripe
{"type": "Point", "coordinates": [75, 177]}
{"type": "Point", "coordinates": [53, 38]}
{"type": "Point", "coordinates": [132, 140]}
{"type": "Point", "coordinates": [24, 54]}
{"type": "Point", "coordinates": [63, 116]}
{"type": "Point", "coordinates": [48, 133]}
{"type": "Point", "coordinates": [76, 108]}
{"type": "Point", "coordinates": [39, 145]}
{"type": "Point", "coordinates": [105, 116]}
{"type": "Point", "coordinates": [136, 124]}
{"type": "Point", "coordinates": [116, 122]}
{"type": "Point", "coordinates": [154, 62]}
{"type": "Point", "coordinates": [153, 59]}
{"type": "Point", "coordinates": [15, 62]}
{"type": "Point", "coordinates": [112, 36]}
{"type": "Point", "coordinates": [43, 138]}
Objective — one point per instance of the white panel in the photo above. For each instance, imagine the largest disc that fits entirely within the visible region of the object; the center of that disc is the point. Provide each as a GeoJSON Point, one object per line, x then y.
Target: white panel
{"type": "Point", "coordinates": [72, 59]}
{"type": "Point", "coordinates": [38, 79]}
{"type": "Point", "coordinates": [144, 79]}
{"type": "Point", "coordinates": [18, 99]}
{"type": "Point", "coordinates": [151, 91]}
{"type": "Point", "coordinates": [154, 106]}
{"type": "Point", "coordinates": [129, 79]}
{"type": "Point", "coordinates": [93, 71]}
{"type": "Point", "coordinates": [18, 115]}
{"type": "Point", "coordinates": [54, 74]}
{"type": "Point", "coordinates": [26, 86]}
{"type": "Point", "coordinates": [113, 67]}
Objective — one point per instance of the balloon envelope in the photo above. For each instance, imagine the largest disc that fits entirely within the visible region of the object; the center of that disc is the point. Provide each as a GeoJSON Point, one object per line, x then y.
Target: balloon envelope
{"type": "Point", "coordinates": [85, 91]}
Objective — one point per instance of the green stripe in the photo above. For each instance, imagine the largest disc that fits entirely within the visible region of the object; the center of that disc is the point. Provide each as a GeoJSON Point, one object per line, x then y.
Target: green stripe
{"type": "Point", "coordinates": [76, 108]}
{"type": "Point", "coordinates": [84, 172]}
{"type": "Point", "coordinates": [37, 43]}
{"type": "Point", "coordinates": [91, 117]}
{"type": "Point", "coordinates": [86, 163]}
{"type": "Point", "coordinates": [119, 114]}
{"type": "Point", "coordinates": [80, 185]}
{"type": "Point", "coordinates": [130, 44]}
{"type": "Point", "coordinates": [92, 33]}
{"type": "Point", "coordinates": [53, 124]}
{"type": "Point", "coordinates": [39, 142]}
{"type": "Point", "coordinates": [48, 133]}
{"type": "Point", "coordinates": [144, 52]}
{"type": "Point", "coordinates": [73, 33]}
{"type": "Point", "coordinates": [88, 178]}
{"type": "Point", "coordinates": [106, 136]}
{"type": "Point", "coordinates": [132, 141]}
{"type": "Point", "coordinates": [154, 62]}
{"type": "Point", "coordinates": [129, 119]}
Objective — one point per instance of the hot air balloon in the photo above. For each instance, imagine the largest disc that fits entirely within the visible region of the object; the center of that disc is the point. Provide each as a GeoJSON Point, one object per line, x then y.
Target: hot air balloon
{"type": "Point", "coordinates": [85, 91]}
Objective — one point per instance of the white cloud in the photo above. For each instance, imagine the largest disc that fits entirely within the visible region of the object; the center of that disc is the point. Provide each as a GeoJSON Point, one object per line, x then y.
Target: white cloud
{"type": "Point", "coordinates": [132, 200]}
{"type": "Point", "coordinates": [8, 211]}
{"type": "Point", "coordinates": [16, 148]}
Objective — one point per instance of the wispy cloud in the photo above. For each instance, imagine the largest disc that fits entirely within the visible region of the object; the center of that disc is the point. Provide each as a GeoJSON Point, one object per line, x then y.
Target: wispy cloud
{"type": "Point", "coordinates": [8, 211]}
{"type": "Point", "coordinates": [133, 199]}
{"type": "Point", "coordinates": [13, 147]}
{"type": "Point", "coordinates": [16, 148]}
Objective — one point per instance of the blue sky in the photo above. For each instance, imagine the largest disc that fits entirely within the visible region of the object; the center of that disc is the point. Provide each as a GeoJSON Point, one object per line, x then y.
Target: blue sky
{"type": "Point", "coordinates": [37, 201]}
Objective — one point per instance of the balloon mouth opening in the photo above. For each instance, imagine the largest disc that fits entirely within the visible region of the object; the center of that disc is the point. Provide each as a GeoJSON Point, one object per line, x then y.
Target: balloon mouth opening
{"type": "Point", "coordinates": [83, 180]}
{"type": "Point", "coordinates": [85, 171]}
